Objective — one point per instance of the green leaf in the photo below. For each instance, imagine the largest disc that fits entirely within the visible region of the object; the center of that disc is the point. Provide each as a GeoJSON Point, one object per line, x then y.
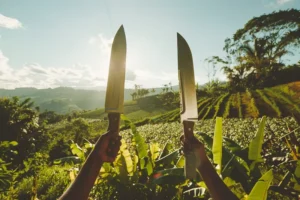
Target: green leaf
{"type": "Point", "coordinates": [126, 154]}
{"type": "Point", "coordinates": [285, 180]}
{"type": "Point", "coordinates": [217, 144]}
{"type": "Point", "coordinates": [235, 187]}
{"type": "Point", "coordinates": [76, 150]}
{"type": "Point", "coordinates": [168, 160]}
{"type": "Point", "coordinates": [149, 166]}
{"type": "Point", "coordinates": [232, 145]}
{"type": "Point", "coordinates": [154, 151]}
{"type": "Point", "coordinates": [232, 162]}
{"type": "Point", "coordinates": [166, 150]}
{"type": "Point", "coordinates": [127, 123]}
{"type": "Point", "coordinates": [69, 160]}
{"type": "Point", "coordinates": [255, 146]}
{"type": "Point", "coordinates": [140, 144]}
{"type": "Point", "coordinates": [260, 189]}
{"type": "Point", "coordinates": [180, 162]}
{"type": "Point", "coordinates": [121, 169]}
{"type": "Point", "coordinates": [13, 143]}
{"type": "Point", "coordinates": [297, 170]}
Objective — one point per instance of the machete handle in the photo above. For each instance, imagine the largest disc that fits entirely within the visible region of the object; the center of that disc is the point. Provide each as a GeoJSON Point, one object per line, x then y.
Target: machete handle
{"type": "Point", "coordinates": [190, 164]}
{"type": "Point", "coordinates": [113, 128]}
{"type": "Point", "coordinates": [114, 122]}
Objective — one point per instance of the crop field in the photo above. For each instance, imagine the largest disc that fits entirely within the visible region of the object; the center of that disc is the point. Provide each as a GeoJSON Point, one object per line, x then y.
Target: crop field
{"type": "Point", "coordinates": [110, 117]}
{"type": "Point", "coordinates": [280, 101]}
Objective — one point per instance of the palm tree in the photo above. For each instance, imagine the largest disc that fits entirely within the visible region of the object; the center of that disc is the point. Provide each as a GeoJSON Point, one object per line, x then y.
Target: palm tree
{"type": "Point", "coordinates": [133, 95]}
{"type": "Point", "coordinates": [264, 56]}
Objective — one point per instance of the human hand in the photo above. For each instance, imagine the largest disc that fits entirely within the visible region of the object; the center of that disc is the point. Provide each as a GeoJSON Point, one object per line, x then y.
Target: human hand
{"type": "Point", "coordinates": [192, 144]}
{"type": "Point", "coordinates": [108, 146]}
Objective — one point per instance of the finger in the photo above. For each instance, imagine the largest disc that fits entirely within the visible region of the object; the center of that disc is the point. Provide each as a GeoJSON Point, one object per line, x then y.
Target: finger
{"type": "Point", "coordinates": [187, 145]}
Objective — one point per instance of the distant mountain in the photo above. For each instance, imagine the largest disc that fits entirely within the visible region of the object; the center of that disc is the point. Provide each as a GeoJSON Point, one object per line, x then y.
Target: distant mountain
{"type": "Point", "coordinates": [66, 99]}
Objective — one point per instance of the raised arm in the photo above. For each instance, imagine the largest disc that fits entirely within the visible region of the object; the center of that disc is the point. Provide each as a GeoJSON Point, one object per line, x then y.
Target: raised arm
{"type": "Point", "coordinates": [102, 152]}
{"type": "Point", "coordinates": [216, 187]}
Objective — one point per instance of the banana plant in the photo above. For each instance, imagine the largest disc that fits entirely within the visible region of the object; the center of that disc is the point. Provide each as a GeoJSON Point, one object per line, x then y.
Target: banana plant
{"type": "Point", "coordinates": [239, 169]}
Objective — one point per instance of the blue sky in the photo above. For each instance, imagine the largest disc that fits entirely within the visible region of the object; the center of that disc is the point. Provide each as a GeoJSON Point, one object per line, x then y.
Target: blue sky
{"type": "Point", "coordinates": [67, 42]}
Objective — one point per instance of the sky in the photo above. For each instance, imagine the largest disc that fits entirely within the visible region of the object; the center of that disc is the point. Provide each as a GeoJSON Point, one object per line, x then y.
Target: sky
{"type": "Point", "coordinates": [48, 44]}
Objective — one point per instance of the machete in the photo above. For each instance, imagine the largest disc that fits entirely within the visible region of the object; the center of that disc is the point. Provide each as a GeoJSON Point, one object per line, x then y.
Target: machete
{"type": "Point", "coordinates": [114, 100]}
{"type": "Point", "coordinates": [188, 101]}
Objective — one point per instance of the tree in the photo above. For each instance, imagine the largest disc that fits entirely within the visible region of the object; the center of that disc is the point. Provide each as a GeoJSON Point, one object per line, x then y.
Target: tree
{"type": "Point", "coordinates": [285, 23]}
{"type": "Point", "coordinates": [19, 122]}
{"type": "Point", "coordinates": [165, 88]}
{"type": "Point", "coordinates": [133, 95]}
{"type": "Point", "coordinates": [170, 86]}
{"type": "Point", "coordinates": [254, 54]}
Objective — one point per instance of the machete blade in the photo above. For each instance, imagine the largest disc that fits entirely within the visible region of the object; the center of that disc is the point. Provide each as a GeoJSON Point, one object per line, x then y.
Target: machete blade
{"type": "Point", "coordinates": [188, 98]}
{"type": "Point", "coordinates": [116, 78]}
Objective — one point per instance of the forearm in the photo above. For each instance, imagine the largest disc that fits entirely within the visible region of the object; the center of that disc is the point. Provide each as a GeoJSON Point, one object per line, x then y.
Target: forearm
{"type": "Point", "coordinates": [85, 180]}
{"type": "Point", "coordinates": [216, 187]}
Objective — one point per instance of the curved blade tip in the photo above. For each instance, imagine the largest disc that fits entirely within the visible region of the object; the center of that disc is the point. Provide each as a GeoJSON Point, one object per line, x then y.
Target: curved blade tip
{"type": "Point", "coordinates": [121, 29]}
{"type": "Point", "coordinates": [180, 37]}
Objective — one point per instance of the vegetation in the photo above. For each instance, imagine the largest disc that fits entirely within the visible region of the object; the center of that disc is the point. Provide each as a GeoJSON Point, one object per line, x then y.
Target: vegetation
{"type": "Point", "coordinates": [252, 103]}
{"type": "Point", "coordinates": [254, 53]}
{"type": "Point", "coordinates": [255, 146]}
{"type": "Point", "coordinates": [150, 164]}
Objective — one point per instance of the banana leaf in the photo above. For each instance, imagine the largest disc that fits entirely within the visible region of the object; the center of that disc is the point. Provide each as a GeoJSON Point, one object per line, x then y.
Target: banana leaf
{"type": "Point", "coordinates": [166, 150]}
{"type": "Point", "coordinates": [180, 162]}
{"type": "Point", "coordinates": [231, 145]}
{"type": "Point", "coordinates": [140, 144]}
{"type": "Point", "coordinates": [260, 189]}
{"type": "Point", "coordinates": [123, 163]}
{"type": "Point", "coordinates": [168, 160]}
{"type": "Point", "coordinates": [297, 170]}
{"type": "Point", "coordinates": [154, 151]}
{"type": "Point", "coordinates": [217, 144]}
{"type": "Point", "coordinates": [237, 169]}
{"type": "Point", "coordinates": [255, 146]}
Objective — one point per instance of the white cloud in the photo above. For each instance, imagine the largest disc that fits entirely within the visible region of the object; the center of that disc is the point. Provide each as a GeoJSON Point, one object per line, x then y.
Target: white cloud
{"type": "Point", "coordinates": [130, 75]}
{"type": "Point", "coordinates": [34, 75]}
{"type": "Point", "coordinates": [103, 43]}
{"type": "Point", "coordinates": [10, 23]}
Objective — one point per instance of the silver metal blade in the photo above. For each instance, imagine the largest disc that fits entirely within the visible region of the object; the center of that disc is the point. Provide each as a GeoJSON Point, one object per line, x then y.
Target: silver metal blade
{"type": "Point", "coordinates": [188, 98]}
{"type": "Point", "coordinates": [116, 78]}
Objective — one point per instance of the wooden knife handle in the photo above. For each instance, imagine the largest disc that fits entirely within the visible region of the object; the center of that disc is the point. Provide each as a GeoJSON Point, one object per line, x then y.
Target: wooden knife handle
{"type": "Point", "coordinates": [113, 128]}
{"type": "Point", "coordinates": [114, 123]}
{"type": "Point", "coordinates": [190, 164]}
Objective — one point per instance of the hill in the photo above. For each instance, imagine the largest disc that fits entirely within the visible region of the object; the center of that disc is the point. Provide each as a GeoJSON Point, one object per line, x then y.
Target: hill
{"type": "Point", "coordinates": [149, 106]}
{"type": "Point", "coordinates": [279, 101]}
{"type": "Point", "coordinates": [65, 99]}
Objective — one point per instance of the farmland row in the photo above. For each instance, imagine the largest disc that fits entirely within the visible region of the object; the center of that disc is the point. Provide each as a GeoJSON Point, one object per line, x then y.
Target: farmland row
{"type": "Point", "coordinates": [272, 102]}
